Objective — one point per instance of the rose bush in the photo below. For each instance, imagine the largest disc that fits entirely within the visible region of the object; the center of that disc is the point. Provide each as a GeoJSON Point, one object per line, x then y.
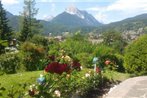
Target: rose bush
{"type": "Point", "coordinates": [57, 73]}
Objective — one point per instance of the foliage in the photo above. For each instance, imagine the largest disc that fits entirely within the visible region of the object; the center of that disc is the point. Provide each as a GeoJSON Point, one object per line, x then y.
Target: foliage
{"type": "Point", "coordinates": [33, 56]}
{"type": "Point", "coordinates": [135, 56]}
{"type": "Point", "coordinates": [111, 62]}
{"type": "Point", "coordinates": [73, 44]}
{"type": "Point", "coordinates": [104, 53]}
{"type": "Point", "coordinates": [30, 25]}
{"type": "Point", "coordinates": [3, 44]}
{"type": "Point", "coordinates": [25, 30]}
{"type": "Point", "coordinates": [40, 40]}
{"type": "Point", "coordinates": [115, 40]}
{"type": "Point", "coordinates": [85, 59]}
{"type": "Point", "coordinates": [5, 30]}
{"type": "Point", "coordinates": [9, 63]}
{"type": "Point", "coordinates": [101, 50]}
{"type": "Point", "coordinates": [1, 90]}
{"type": "Point", "coordinates": [89, 83]}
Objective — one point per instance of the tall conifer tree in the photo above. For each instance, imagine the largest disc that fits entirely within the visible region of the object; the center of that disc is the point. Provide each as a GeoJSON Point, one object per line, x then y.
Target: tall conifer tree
{"type": "Point", "coordinates": [5, 30]}
{"type": "Point", "coordinates": [29, 22]}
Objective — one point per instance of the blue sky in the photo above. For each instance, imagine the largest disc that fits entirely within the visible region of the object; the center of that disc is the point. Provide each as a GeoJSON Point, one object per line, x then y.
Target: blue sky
{"type": "Point", "coordinates": [105, 11]}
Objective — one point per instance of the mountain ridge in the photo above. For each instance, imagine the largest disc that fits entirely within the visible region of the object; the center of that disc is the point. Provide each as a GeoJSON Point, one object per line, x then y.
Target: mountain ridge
{"type": "Point", "coordinates": [131, 23]}
{"type": "Point", "coordinates": [73, 17]}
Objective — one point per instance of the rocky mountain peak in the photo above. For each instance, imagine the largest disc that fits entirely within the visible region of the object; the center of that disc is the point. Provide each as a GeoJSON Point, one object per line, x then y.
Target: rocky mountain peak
{"type": "Point", "coordinates": [74, 11]}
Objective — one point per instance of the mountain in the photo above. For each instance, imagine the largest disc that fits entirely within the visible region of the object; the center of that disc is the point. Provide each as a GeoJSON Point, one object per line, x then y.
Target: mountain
{"type": "Point", "coordinates": [74, 17]}
{"type": "Point", "coordinates": [71, 20]}
{"type": "Point", "coordinates": [13, 21]}
{"type": "Point", "coordinates": [9, 15]}
{"type": "Point", "coordinates": [130, 24]}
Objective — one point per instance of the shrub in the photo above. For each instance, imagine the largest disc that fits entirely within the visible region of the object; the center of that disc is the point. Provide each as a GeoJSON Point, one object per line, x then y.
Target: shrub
{"type": "Point", "coordinates": [135, 56]}
{"type": "Point", "coordinates": [9, 63]}
{"type": "Point", "coordinates": [85, 59]}
{"type": "Point", "coordinates": [88, 84]}
{"type": "Point", "coordinates": [76, 46]}
{"type": "Point", "coordinates": [33, 56]}
{"type": "Point", "coordinates": [39, 40]}
{"type": "Point", "coordinates": [115, 62]}
{"type": "Point", "coordinates": [3, 44]}
{"type": "Point", "coordinates": [101, 50]}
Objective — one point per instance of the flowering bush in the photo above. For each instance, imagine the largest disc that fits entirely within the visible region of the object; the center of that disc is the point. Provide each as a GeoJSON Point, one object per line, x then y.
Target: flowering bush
{"type": "Point", "coordinates": [61, 69]}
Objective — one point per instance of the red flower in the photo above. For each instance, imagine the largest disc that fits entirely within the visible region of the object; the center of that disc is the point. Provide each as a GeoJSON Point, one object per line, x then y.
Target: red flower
{"type": "Point", "coordinates": [52, 58]}
{"type": "Point", "coordinates": [56, 67]}
{"type": "Point", "coordinates": [76, 65]}
{"type": "Point", "coordinates": [98, 70]}
{"type": "Point", "coordinates": [107, 62]}
{"type": "Point", "coordinates": [31, 92]}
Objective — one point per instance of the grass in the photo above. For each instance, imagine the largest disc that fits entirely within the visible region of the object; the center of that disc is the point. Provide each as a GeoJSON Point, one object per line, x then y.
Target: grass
{"type": "Point", "coordinates": [116, 76]}
{"type": "Point", "coordinates": [15, 80]}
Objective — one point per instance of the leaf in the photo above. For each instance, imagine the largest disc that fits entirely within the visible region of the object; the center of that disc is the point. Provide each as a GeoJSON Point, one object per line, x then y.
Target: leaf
{"type": "Point", "coordinates": [2, 88]}
{"type": "Point", "coordinates": [4, 43]}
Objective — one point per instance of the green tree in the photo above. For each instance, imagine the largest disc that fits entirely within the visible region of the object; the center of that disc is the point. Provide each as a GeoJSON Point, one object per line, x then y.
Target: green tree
{"type": "Point", "coordinates": [30, 24]}
{"type": "Point", "coordinates": [25, 30]}
{"type": "Point", "coordinates": [115, 40]}
{"type": "Point", "coordinates": [5, 30]}
{"type": "Point", "coordinates": [135, 56]}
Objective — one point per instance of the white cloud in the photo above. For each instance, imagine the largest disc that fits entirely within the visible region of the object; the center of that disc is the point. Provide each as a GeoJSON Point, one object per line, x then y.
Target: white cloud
{"type": "Point", "coordinates": [45, 0]}
{"type": "Point", "coordinates": [74, 1]}
{"type": "Point", "coordinates": [125, 5]}
{"type": "Point", "coordinates": [119, 10]}
{"type": "Point", "coordinates": [48, 17]}
{"type": "Point", "coordinates": [94, 9]}
{"type": "Point", "coordinates": [101, 17]}
{"type": "Point", "coordinates": [10, 2]}
{"type": "Point", "coordinates": [53, 6]}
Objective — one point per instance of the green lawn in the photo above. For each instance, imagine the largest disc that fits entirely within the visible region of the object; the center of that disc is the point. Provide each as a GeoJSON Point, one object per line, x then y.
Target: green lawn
{"type": "Point", "coordinates": [116, 75]}
{"type": "Point", "coordinates": [15, 80]}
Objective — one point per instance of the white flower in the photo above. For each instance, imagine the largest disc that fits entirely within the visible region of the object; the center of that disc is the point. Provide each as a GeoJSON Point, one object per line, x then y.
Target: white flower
{"type": "Point", "coordinates": [41, 75]}
{"type": "Point", "coordinates": [81, 67]}
{"type": "Point", "coordinates": [83, 77]}
{"type": "Point", "coordinates": [33, 85]}
{"type": "Point", "coordinates": [67, 58]}
{"type": "Point", "coordinates": [57, 93]}
{"type": "Point", "coordinates": [87, 75]}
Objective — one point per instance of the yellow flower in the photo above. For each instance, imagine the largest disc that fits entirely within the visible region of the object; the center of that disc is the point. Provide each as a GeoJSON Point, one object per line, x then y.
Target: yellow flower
{"type": "Point", "coordinates": [67, 58]}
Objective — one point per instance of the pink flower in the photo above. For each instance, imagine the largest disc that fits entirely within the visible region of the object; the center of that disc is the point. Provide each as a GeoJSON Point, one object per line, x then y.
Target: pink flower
{"type": "Point", "coordinates": [107, 62]}
{"type": "Point", "coordinates": [98, 70]}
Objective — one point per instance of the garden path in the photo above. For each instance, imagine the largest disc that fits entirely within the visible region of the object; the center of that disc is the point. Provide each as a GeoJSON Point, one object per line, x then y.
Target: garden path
{"type": "Point", "coordinates": [131, 88]}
